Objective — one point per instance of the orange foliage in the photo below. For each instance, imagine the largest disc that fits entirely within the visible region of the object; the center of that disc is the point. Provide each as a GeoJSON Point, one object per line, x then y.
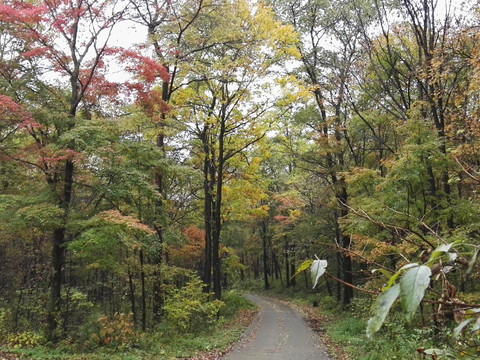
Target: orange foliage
{"type": "Point", "coordinates": [190, 255]}
{"type": "Point", "coordinates": [115, 217]}
{"type": "Point", "coordinates": [289, 209]}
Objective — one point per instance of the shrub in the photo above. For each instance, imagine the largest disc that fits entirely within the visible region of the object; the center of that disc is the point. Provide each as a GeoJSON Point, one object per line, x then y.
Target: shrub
{"type": "Point", "coordinates": [3, 323]}
{"type": "Point", "coordinates": [188, 308]}
{"type": "Point", "coordinates": [234, 302]}
{"type": "Point", "coordinates": [117, 332]}
{"type": "Point", "coordinates": [24, 339]}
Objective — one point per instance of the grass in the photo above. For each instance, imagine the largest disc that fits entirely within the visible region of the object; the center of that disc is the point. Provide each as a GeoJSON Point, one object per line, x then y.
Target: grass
{"type": "Point", "coordinates": [162, 344]}
{"type": "Point", "coordinates": [343, 331]}
{"type": "Point", "coordinates": [396, 340]}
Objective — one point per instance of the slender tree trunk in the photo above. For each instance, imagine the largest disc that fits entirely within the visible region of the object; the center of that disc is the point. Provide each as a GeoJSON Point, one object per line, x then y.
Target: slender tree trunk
{"type": "Point", "coordinates": [329, 287]}
{"type": "Point", "coordinates": [293, 282]}
{"type": "Point", "coordinates": [347, 272]}
{"type": "Point", "coordinates": [159, 181]}
{"type": "Point", "coordinates": [256, 268]}
{"type": "Point", "coordinates": [208, 205]}
{"type": "Point", "coordinates": [263, 232]}
{"type": "Point", "coordinates": [144, 296]}
{"type": "Point", "coordinates": [207, 213]}
{"type": "Point", "coordinates": [132, 297]}
{"type": "Point", "coordinates": [287, 263]}
{"type": "Point", "coordinates": [278, 270]}
{"type": "Point", "coordinates": [58, 254]}
{"type": "Point", "coordinates": [242, 272]}
{"type": "Point", "coordinates": [217, 228]}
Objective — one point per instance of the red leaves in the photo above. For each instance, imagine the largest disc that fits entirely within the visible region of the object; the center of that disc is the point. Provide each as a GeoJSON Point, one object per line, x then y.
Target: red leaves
{"type": "Point", "coordinates": [148, 72]}
{"type": "Point", "coordinates": [67, 154]}
{"type": "Point", "coordinates": [21, 12]}
{"type": "Point", "coordinates": [289, 209]}
{"type": "Point", "coordinates": [153, 104]}
{"type": "Point", "coordinates": [144, 67]}
{"type": "Point", "coordinates": [12, 113]}
{"type": "Point", "coordinates": [8, 106]}
{"type": "Point", "coordinates": [189, 255]}
{"type": "Point", "coordinates": [36, 52]}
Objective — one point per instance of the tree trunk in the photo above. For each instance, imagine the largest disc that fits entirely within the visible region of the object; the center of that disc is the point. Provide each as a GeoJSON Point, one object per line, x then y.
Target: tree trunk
{"type": "Point", "coordinates": [347, 271]}
{"type": "Point", "coordinates": [132, 297]}
{"type": "Point", "coordinates": [242, 272]}
{"type": "Point", "coordinates": [263, 232]}
{"type": "Point", "coordinates": [207, 215]}
{"type": "Point", "coordinates": [287, 263]}
{"type": "Point", "coordinates": [58, 255]}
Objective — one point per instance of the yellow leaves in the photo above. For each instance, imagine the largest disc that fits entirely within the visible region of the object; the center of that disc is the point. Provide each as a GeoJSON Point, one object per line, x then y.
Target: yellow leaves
{"type": "Point", "coordinates": [115, 217]}
{"type": "Point", "coordinates": [93, 266]}
{"type": "Point", "coordinates": [369, 247]}
{"type": "Point", "coordinates": [293, 90]}
{"type": "Point", "coordinates": [244, 193]}
{"type": "Point", "coordinates": [242, 197]}
{"type": "Point", "coordinates": [260, 212]}
{"type": "Point", "coordinates": [280, 37]}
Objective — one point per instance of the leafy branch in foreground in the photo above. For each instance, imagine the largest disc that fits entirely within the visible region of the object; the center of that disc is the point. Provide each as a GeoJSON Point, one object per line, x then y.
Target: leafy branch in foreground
{"type": "Point", "coordinates": [415, 279]}
{"type": "Point", "coordinates": [410, 283]}
{"type": "Point", "coordinates": [317, 269]}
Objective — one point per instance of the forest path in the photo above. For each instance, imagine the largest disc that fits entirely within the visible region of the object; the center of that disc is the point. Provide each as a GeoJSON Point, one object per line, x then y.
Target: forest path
{"type": "Point", "coordinates": [279, 333]}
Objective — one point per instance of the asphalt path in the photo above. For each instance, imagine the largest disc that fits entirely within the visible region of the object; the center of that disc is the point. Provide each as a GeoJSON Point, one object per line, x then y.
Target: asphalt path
{"type": "Point", "coordinates": [277, 333]}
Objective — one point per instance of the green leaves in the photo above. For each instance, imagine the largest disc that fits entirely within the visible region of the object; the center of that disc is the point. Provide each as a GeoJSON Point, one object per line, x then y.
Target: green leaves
{"type": "Point", "coordinates": [394, 277]}
{"type": "Point", "coordinates": [383, 303]}
{"type": "Point", "coordinates": [413, 285]}
{"type": "Point", "coordinates": [411, 289]}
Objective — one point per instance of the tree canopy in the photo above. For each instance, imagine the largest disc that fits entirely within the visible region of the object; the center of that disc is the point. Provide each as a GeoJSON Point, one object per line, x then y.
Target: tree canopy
{"type": "Point", "coordinates": [242, 140]}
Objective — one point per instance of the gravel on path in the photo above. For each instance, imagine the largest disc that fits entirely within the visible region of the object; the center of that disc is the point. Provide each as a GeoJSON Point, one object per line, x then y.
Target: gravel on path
{"type": "Point", "coordinates": [277, 333]}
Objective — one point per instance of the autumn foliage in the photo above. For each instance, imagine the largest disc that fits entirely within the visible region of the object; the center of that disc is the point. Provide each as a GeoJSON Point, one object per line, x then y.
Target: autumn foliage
{"type": "Point", "coordinates": [140, 179]}
{"type": "Point", "coordinates": [191, 253]}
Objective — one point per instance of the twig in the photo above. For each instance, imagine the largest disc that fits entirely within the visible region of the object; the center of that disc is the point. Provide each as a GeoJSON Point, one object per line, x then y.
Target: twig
{"type": "Point", "coordinates": [351, 285]}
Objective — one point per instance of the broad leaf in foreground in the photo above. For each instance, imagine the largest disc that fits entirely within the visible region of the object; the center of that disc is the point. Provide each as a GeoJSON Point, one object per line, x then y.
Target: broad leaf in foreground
{"type": "Point", "coordinates": [382, 306]}
{"type": "Point", "coordinates": [317, 269]}
{"type": "Point", "coordinates": [303, 266]}
{"type": "Point", "coordinates": [471, 263]}
{"type": "Point", "coordinates": [394, 277]}
{"type": "Point", "coordinates": [457, 331]}
{"type": "Point", "coordinates": [413, 284]}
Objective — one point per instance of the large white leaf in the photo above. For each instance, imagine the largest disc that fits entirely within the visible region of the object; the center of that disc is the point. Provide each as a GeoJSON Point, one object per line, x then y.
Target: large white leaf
{"type": "Point", "coordinates": [476, 326]}
{"type": "Point", "coordinates": [471, 263]}
{"type": "Point", "coordinates": [317, 269]}
{"type": "Point", "coordinates": [400, 271]}
{"type": "Point", "coordinates": [441, 249]}
{"type": "Point", "coordinates": [413, 284]}
{"type": "Point", "coordinates": [460, 327]}
{"type": "Point", "coordinates": [381, 307]}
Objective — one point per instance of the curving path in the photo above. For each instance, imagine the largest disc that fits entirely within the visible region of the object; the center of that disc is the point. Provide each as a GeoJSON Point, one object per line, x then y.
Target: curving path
{"type": "Point", "coordinates": [277, 333]}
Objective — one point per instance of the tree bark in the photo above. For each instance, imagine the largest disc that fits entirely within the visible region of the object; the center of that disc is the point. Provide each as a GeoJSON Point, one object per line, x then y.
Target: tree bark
{"type": "Point", "coordinates": [263, 232]}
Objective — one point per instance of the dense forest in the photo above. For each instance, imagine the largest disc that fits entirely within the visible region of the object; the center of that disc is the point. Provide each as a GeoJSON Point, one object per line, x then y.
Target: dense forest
{"type": "Point", "coordinates": [230, 143]}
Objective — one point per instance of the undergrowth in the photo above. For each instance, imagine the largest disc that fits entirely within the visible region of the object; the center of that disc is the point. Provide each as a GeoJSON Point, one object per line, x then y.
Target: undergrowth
{"type": "Point", "coordinates": [163, 343]}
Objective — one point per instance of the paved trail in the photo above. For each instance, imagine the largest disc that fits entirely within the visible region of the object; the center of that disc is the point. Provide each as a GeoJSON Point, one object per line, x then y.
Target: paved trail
{"type": "Point", "coordinates": [278, 333]}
